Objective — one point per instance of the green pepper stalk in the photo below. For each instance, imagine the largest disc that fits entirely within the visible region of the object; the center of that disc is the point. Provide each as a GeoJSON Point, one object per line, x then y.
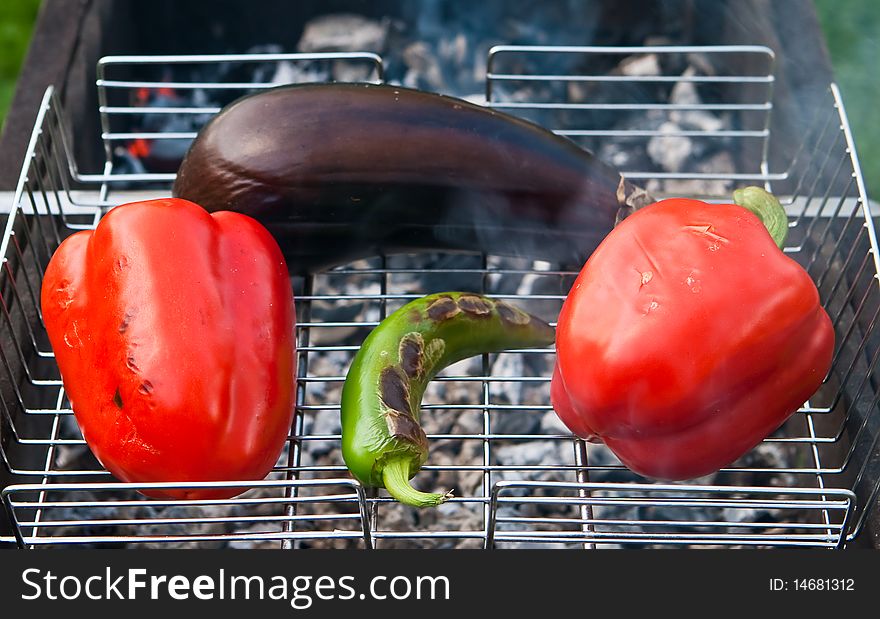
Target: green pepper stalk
{"type": "Point", "coordinates": [382, 442]}
{"type": "Point", "coordinates": [768, 209]}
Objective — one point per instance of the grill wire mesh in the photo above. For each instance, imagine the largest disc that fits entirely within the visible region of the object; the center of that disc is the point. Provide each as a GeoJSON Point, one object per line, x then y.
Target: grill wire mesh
{"type": "Point", "coordinates": [520, 479]}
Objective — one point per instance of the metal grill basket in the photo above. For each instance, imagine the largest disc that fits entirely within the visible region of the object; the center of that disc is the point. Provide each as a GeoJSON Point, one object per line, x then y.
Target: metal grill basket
{"type": "Point", "coordinates": [521, 479]}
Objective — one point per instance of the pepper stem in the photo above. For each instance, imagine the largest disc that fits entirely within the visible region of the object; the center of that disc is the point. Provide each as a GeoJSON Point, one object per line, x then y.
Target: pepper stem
{"type": "Point", "coordinates": [395, 476]}
{"type": "Point", "coordinates": [768, 209]}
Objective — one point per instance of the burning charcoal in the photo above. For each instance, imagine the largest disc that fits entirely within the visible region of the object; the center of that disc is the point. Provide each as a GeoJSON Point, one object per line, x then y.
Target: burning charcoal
{"type": "Point", "coordinates": [599, 455]}
{"type": "Point", "coordinates": [624, 159]}
{"type": "Point", "coordinates": [454, 51]}
{"type": "Point", "coordinates": [639, 65]}
{"type": "Point", "coordinates": [69, 427]}
{"type": "Point", "coordinates": [454, 392]}
{"type": "Point", "coordinates": [701, 62]}
{"type": "Point", "coordinates": [670, 152]}
{"type": "Point", "coordinates": [578, 92]}
{"type": "Point", "coordinates": [534, 452]}
{"type": "Point", "coordinates": [611, 511]}
{"type": "Point", "coordinates": [73, 456]}
{"type": "Point", "coordinates": [669, 62]}
{"type": "Point", "coordinates": [324, 423]}
{"type": "Point", "coordinates": [424, 69]}
{"type": "Point", "coordinates": [744, 514]}
{"type": "Point", "coordinates": [330, 363]}
{"type": "Point", "coordinates": [631, 153]}
{"type": "Point", "coordinates": [516, 422]}
{"type": "Point", "coordinates": [552, 424]}
{"type": "Point", "coordinates": [467, 516]}
{"type": "Point", "coordinates": [256, 72]}
{"type": "Point", "coordinates": [344, 71]}
{"type": "Point", "coordinates": [464, 483]}
{"type": "Point", "coordinates": [287, 72]}
{"type": "Point", "coordinates": [514, 92]}
{"type": "Point", "coordinates": [671, 513]}
{"type": "Point", "coordinates": [125, 162]}
{"type": "Point", "coordinates": [264, 72]}
{"type": "Point", "coordinates": [190, 528]}
{"type": "Point", "coordinates": [142, 155]}
{"type": "Point", "coordinates": [514, 365]}
{"type": "Point", "coordinates": [329, 312]}
{"type": "Point", "coordinates": [260, 72]}
{"type": "Point", "coordinates": [344, 311]}
{"type": "Point", "coordinates": [511, 392]}
{"type": "Point", "coordinates": [436, 272]}
{"type": "Point", "coordinates": [719, 163]}
{"type": "Point", "coordinates": [343, 32]}
{"type": "Point", "coordinates": [477, 98]}
{"type": "Point", "coordinates": [636, 65]}
{"type": "Point", "coordinates": [67, 456]}
{"type": "Point", "coordinates": [480, 63]}
{"type": "Point", "coordinates": [769, 456]}
{"type": "Point", "coordinates": [685, 93]}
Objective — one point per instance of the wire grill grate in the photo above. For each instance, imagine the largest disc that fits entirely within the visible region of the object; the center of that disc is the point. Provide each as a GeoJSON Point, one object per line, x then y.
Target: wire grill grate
{"type": "Point", "coordinates": [521, 480]}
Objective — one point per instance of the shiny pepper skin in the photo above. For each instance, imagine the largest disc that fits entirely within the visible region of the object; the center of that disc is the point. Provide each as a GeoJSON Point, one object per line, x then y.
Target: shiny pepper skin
{"type": "Point", "coordinates": [687, 338]}
{"type": "Point", "coordinates": [173, 330]}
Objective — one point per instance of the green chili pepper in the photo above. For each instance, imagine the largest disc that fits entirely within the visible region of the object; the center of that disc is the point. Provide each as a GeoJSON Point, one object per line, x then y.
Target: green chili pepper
{"type": "Point", "coordinates": [382, 442]}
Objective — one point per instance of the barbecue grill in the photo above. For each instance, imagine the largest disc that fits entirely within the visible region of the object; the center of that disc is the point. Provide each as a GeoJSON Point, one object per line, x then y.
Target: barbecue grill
{"type": "Point", "coordinates": [521, 479]}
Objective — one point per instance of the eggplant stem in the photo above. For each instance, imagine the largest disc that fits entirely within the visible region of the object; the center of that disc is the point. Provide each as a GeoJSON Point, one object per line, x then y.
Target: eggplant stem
{"type": "Point", "coordinates": [395, 476]}
{"type": "Point", "coordinates": [768, 209]}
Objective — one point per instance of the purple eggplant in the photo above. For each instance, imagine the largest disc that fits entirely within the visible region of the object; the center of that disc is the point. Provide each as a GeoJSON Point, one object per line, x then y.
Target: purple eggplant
{"type": "Point", "coordinates": [338, 172]}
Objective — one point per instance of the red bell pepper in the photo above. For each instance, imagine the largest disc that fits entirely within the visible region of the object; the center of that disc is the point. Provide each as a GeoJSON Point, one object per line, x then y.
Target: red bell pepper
{"type": "Point", "coordinates": [688, 336]}
{"type": "Point", "coordinates": [173, 329]}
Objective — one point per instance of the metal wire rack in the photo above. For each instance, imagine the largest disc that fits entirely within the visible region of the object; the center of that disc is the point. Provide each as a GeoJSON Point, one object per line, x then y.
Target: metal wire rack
{"type": "Point", "coordinates": [521, 480]}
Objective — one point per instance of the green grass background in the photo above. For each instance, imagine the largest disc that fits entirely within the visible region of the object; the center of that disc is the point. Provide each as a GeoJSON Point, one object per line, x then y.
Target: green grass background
{"type": "Point", "coordinates": [852, 30]}
{"type": "Point", "coordinates": [16, 23]}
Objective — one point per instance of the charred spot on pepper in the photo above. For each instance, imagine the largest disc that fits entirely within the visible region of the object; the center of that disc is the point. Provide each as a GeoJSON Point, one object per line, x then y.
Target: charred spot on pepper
{"type": "Point", "coordinates": [475, 306]}
{"type": "Point", "coordinates": [117, 398]}
{"type": "Point", "coordinates": [512, 315]}
{"type": "Point", "coordinates": [394, 389]}
{"type": "Point", "coordinates": [442, 309]}
{"type": "Point", "coordinates": [405, 428]}
{"type": "Point", "coordinates": [126, 320]}
{"type": "Point", "coordinates": [412, 353]}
